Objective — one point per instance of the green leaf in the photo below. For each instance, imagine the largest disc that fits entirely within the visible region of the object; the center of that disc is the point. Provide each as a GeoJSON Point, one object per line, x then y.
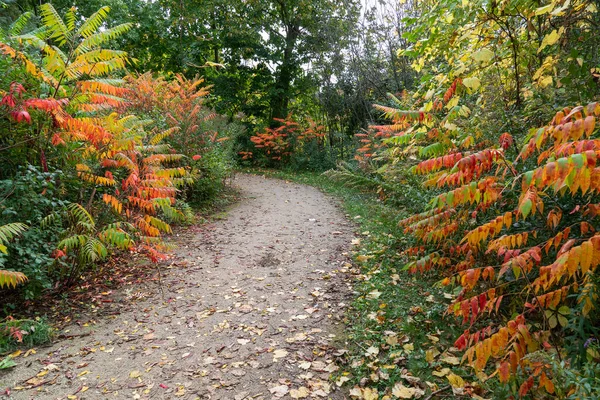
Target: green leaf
{"type": "Point", "coordinates": [526, 208]}
{"type": "Point", "coordinates": [483, 55]}
{"type": "Point", "coordinates": [7, 362]}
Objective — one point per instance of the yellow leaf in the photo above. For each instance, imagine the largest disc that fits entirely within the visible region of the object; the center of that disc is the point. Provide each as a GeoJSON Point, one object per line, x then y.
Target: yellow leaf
{"type": "Point", "coordinates": [448, 359]}
{"type": "Point", "coordinates": [544, 9]}
{"type": "Point", "coordinates": [472, 83]}
{"type": "Point", "coordinates": [43, 373]}
{"type": "Point", "coordinates": [404, 392]}
{"type": "Point", "coordinates": [29, 352]}
{"type": "Point", "coordinates": [134, 374]}
{"type": "Point", "coordinates": [300, 393]}
{"type": "Point", "coordinates": [544, 81]}
{"type": "Point", "coordinates": [15, 354]}
{"type": "Point", "coordinates": [370, 394]}
{"type": "Point", "coordinates": [551, 39]}
{"type": "Point", "coordinates": [82, 373]}
{"type": "Point", "coordinates": [441, 373]}
{"type": "Point", "coordinates": [483, 55]}
{"type": "Point", "coordinates": [455, 381]}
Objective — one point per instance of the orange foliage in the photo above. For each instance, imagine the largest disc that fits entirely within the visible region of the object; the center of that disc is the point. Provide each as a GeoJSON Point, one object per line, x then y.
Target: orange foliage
{"type": "Point", "coordinates": [481, 216]}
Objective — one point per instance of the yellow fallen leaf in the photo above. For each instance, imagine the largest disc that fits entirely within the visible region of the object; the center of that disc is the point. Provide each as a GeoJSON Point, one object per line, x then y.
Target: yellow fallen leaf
{"type": "Point", "coordinates": [300, 393]}
{"type": "Point", "coordinates": [279, 353]}
{"type": "Point", "coordinates": [441, 373]}
{"type": "Point", "coordinates": [180, 391]}
{"type": "Point", "coordinates": [434, 339]}
{"type": "Point", "coordinates": [83, 389]}
{"type": "Point", "coordinates": [29, 352]}
{"type": "Point", "coordinates": [134, 374]}
{"type": "Point", "coordinates": [82, 373]}
{"type": "Point", "coordinates": [391, 340]}
{"type": "Point", "coordinates": [448, 359]}
{"type": "Point", "coordinates": [404, 392]}
{"type": "Point", "coordinates": [408, 347]}
{"type": "Point", "coordinates": [455, 381]}
{"type": "Point", "coordinates": [15, 354]}
{"type": "Point", "coordinates": [370, 394]}
{"type": "Point", "coordinates": [42, 373]}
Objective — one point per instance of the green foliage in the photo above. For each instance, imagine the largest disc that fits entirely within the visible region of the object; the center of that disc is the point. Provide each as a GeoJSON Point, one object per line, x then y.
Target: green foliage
{"type": "Point", "coordinates": [29, 196]}
{"type": "Point", "coordinates": [7, 363]}
{"type": "Point", "coordinates": [28, 333]}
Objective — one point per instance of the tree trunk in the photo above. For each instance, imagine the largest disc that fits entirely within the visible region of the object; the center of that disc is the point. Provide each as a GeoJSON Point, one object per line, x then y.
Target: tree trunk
{"type": "Point", "coordinates": [281, 95]}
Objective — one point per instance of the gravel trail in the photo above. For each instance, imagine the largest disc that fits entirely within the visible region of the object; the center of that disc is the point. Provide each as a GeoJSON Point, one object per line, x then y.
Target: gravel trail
{"type": "Point", "coordinates": [252, 308]}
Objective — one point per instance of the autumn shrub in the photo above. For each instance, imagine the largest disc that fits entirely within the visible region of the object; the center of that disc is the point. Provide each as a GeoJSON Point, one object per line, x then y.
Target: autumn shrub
{"type": "Point", "coordinates": [91, 168]}
{"type": "Point", "coordinates": [291, 146]}
{"type": "Point", "coordinates": [511, 226]}
{"type": "Point", "coordinates": [200, 134]}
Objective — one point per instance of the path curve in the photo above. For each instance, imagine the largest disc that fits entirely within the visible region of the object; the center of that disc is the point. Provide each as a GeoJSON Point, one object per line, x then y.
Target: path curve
{"type": "Point", "coordinates": [253, 306]}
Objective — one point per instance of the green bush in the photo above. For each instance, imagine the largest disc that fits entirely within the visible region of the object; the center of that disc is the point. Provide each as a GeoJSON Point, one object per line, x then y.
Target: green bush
{"type": "Point", "coordinates": [28, 197]}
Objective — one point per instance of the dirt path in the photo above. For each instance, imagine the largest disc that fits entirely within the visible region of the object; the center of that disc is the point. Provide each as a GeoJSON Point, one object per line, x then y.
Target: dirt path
{"type": "Point", "coordinates": [252, 305]}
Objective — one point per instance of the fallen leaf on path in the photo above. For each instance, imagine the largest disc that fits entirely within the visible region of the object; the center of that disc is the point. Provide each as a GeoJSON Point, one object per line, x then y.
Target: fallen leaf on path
{"type": "Point", "coordinates": [300, 393]}
{"type": "Point", "coordinates": [279, 391]}
{"type": "Point", "coordinates": [279, 353]}
{"type": "Point", "coordinates": [132, 374]}
{"type": "Point", "coordinates": [305, 364]}
{"type": "Point", "coordinates": [180, 391]}
{"type": "Point", "coordinates": [342, 380]}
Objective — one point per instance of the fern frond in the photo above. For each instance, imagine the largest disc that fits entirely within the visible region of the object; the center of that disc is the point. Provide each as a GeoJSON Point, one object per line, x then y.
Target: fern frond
{"type": "Point", "coordinates": [70, 19]}
{"type": "Point", "coordinates": [11, 278]}
{"type": "Point", "coordinates": [93, 250]}
{"type": "Point", "coordinates": [117, 238]}
{"type": "Point", "coordinates": [17, 27]}
{"type": "Point", "coordinates": [49, 220]}
{"type": "Point", "coordinates": [81, 215]}
{"type": "Point", "coordinates": [94, 22]}
{"type": "Point", "coordinates": [58, 30]}
{"type": "Point", "coordinates": [159, 137]}
{"type": "Point", "coordinates": [100, 38]}
{"type": "Point", "coordinates": [72, 242]}
{"type": "Point", "coordinates": [8, 232]}
{"type": "Point", "coordinates": [396, 114]}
